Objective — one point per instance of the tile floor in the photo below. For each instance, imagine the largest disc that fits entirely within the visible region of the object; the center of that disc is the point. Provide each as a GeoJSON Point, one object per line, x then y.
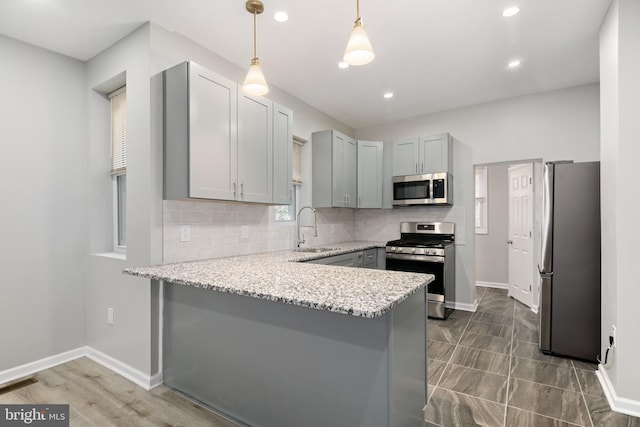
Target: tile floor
{"type": "Point", "coordinates": [485, 369]}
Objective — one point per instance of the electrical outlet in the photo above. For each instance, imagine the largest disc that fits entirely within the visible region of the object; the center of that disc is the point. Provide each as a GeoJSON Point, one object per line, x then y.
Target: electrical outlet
{"type": "Point", "coordinates": [613, 334]}
{"type": "Point", "coordinates": [110, 315]}
{"type": "Point", "coordinates": [185, 233]}
{"type": "Point", "coordinates": [244, 233]}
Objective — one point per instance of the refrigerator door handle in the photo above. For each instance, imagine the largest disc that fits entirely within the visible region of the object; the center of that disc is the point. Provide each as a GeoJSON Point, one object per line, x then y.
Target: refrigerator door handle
{"type": "Point", "coordinates": [544, 274]}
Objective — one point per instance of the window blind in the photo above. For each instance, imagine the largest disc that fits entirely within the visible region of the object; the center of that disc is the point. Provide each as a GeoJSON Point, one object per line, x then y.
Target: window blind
{"type": "Point", "coordinates": [118, 131]}
{"type": "Point", "coordinates": [297, 160]}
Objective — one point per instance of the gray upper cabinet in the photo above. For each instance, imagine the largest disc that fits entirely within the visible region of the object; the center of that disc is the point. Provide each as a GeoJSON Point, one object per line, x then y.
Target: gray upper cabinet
{"type": "Point", "coordinates": [370, 174]}
{"type": "Point", "coordinates": [334, 170]}
{"type": "Point", "coordinates": [218, 142]}
{"type": "Point", "coordinates": [282, 155]}
{"type": "Point", "coordinates": [429, 154]}
{"type": "Point", "coordinates": [255, 149]}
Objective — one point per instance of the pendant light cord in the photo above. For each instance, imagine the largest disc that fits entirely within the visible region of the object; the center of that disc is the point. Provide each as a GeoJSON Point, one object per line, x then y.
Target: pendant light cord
{"type": "Point", "coordinates": [255, 39]}
{"type": "Point", "coordinates": [357, 9]}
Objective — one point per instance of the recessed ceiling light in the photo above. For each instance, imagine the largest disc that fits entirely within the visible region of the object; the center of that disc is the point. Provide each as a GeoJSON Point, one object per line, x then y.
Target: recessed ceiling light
{"type": "Point", "coordinates": [514, 64]}
{"type": "Point", "coordinates": [343, 65]}
{"type": "Point", "coordinates": [510, 11]}
{"type": "Point", "coordinates": [388, 95]}
{"type": "Point", "coordinates": [281, 16]}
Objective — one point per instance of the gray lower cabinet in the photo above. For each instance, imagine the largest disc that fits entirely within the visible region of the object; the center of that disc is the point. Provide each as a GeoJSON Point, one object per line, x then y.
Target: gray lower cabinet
{"type": "Point", "coordinates": [369, 258]}
{"type": "Point", "coordinates": [268, 364]}
{"type": "Point", "coordinates": [334, 170]}
{"type": "Point", "coordinates": [220, 144]}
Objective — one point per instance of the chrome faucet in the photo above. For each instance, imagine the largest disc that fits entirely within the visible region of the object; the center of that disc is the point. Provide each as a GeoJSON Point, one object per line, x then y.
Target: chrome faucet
{"type": "Point", "coordinates": [315, 224]}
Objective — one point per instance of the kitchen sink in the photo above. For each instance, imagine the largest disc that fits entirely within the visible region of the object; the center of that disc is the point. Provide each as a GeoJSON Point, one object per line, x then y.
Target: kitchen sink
{"type": "Point", "coordinates": [314, 250]}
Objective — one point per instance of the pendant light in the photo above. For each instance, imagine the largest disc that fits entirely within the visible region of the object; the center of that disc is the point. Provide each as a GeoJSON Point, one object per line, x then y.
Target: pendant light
{"type": "Point", "coordinates": [359, 50]}
{"type": "Point", "coordinates": [255, 83]}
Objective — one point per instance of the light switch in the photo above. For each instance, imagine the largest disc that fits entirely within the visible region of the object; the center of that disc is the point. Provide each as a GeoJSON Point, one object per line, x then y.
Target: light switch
{"type": "Point", "coordinates": [185, 233]}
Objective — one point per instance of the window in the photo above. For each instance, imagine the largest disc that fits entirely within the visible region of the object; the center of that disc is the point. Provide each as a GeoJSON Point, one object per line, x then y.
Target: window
{"type": "Point", "coordinates": [481, 200]}
{"type": "Point", "coordinates": [119, 167]}
{"type": "Point", "coordinates": [288, 212]}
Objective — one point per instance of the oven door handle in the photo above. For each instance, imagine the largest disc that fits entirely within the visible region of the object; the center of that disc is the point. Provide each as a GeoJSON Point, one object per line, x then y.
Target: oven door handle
{"type": "Point", "coordinates": [419, 258]}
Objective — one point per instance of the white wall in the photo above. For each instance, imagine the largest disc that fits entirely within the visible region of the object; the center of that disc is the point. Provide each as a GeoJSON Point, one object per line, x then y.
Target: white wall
{"type": "Point", "coordinates": [620, 93]}
{"type": "Point", "coordinates": [44, 193]}
{"type": "Point", "coordinates": [129, 339]}
{"type": "Point", "coordinates": [562, 124]}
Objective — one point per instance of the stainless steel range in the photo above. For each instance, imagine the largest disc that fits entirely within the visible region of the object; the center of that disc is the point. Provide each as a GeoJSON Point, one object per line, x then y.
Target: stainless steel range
{"type": "Point", "coordinates": [428, 247]}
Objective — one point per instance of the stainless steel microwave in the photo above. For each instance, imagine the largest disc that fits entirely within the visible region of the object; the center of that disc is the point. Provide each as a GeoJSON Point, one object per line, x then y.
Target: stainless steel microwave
{"type": "Point", "coordinates": [425, 189]}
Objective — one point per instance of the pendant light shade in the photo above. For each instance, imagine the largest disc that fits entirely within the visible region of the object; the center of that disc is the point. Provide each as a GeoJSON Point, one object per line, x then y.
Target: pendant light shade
{"type": "Point", "coordinates": [255, 83]}
{"type": "Point", "coordinates": [359, 50]}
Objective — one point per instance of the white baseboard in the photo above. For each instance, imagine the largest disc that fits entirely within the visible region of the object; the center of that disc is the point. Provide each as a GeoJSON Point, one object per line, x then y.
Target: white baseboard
{"type": "Point", "coordinates": [463, 306]}
{"type": "Point", "coordinates": [40, 365]}
{"type": "Point", "coordinates": [496, 285]}
{"type": "Point", "coordinates": [618, 404]}
{"type": "Point", "coordinates": [145, 381]}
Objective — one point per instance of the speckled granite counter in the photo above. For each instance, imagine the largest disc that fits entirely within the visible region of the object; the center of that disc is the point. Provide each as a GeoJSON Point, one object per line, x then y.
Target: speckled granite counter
{"type": "Point", "coordinates": [281, 276]}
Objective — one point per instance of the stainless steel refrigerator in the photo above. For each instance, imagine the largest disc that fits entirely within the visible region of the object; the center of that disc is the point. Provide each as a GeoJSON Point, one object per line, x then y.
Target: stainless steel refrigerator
{"type": "Point", "coordinates": [570, 261]}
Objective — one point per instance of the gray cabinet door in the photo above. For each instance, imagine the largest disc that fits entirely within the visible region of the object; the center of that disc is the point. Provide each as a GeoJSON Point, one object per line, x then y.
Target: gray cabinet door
{"type": "Point", "coordinates": [212, 135]}
{"type": "Point", "coordinates": [339, 195]}
{"type": "Point", "coordinates": [349, 165]}
{"type": "Point", "coordinates": [255, 149]}
{"type": "Point", "coordinates": [370, 174]}
{"type": "Point", "coordinates": [282, 155]}
{"type": "Point", "coordinates": [435, 155]}
{"type": "Point", "coordinates": [405, 157]}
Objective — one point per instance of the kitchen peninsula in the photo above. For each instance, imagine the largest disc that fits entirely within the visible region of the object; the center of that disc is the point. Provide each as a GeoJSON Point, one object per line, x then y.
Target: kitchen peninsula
{"type": "Point", "coordinates": [270, 340]}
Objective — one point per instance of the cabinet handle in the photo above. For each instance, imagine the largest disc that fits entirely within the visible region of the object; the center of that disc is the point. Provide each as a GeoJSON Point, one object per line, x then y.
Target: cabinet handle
{"type": "Point", "coordinates": [422, 167]}
{"type": "Point", "coordinates": [242, 190]}
{"type": "Point", "coordinates": [234, 189]}
{"type": "Point", "coordinates": [359, 201]}
{"type": "Point", "coordinates": [416, 168]}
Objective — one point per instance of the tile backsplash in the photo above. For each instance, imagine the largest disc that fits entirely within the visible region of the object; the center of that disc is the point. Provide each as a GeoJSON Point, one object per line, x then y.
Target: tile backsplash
{"type": "Point", "coordinates": [217, 229]}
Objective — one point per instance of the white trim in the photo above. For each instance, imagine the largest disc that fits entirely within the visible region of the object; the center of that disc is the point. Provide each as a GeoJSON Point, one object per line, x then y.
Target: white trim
{"type": "Point", "coordinates": [463, 306]}
{"type": "Point", "coordinates": [132, 374]}
{"type": "Point", "coordinates": [113, 255]}
{"type": "Point", "coordinates": [31, 368]}
{"type": "Point", "coordinates": [618, 404]}
{"type": "Point", "coordinates": [496, 285]}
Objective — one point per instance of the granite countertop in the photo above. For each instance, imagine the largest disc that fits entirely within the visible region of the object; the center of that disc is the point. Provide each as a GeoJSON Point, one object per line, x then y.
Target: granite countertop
{"type": "Point", "coordinates": [281, 276]}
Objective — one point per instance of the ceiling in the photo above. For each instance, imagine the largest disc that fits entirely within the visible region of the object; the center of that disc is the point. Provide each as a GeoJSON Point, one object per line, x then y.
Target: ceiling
{"type": "Point", "coordinates": [434, 55]}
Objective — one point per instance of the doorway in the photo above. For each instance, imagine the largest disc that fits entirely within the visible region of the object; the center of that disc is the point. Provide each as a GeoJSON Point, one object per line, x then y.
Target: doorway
{"type": "Point", "coordinates": [492, 259]}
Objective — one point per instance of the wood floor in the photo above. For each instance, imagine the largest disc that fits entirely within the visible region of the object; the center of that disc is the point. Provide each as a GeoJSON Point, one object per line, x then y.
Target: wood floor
{"type": "Point", "coordinates": [100, 397]}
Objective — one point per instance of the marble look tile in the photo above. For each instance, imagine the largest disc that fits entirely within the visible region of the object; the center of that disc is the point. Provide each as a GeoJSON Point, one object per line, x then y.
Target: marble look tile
{"type": "Point", "coordinates": [439, 350]}
{"type": "Point", "coordinates": [579, 364]}
{"type": "Point", "coordinates": [603, 416]}
{"type": "Point", "coordinates": [486, 342]}
{"type": "Point", "coordinates": [498, 306]}
{"type": "Point", "coordinates": [451, 409]}
{"type": "Point", "coordinates": [489, 317]}
{"type": "Point", "coordinates": [524, 312]}
{"type": "Point", "coordinates": [480, 291]}
{"type": "Point", "coordinates": [519, 418]}
{"type": "Point", "coordinates": [435, 368]}
{"type": "Point", "coordinates": [523, 333]}
{"type": "Point", "coordinates": [473, 382]}
{"type": "Point", "coordinates": [492, 329]}
{"type": "Point", "coordinates": [589, 383]}
{"type": "Point", "coordinates": [439, 333]}
{"type": "Point", "coordinates": [496, 363]}
{"type": "Point", "coordinates": [461, 314]}
{"type": "Point", "coordinates": [450, 322]}
{"type": "Point", "coordinates": [544, 373]}
{"type": "Point", "coordinates": [531, 350]}
{"type": "Point", "coordinates": [531, 324]}
{"type": "Point", "coordinates": [549, 401]}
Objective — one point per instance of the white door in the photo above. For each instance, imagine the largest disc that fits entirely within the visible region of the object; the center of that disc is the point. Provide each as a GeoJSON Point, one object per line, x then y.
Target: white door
{"type": "Point", "coordinates": [521, 232]}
